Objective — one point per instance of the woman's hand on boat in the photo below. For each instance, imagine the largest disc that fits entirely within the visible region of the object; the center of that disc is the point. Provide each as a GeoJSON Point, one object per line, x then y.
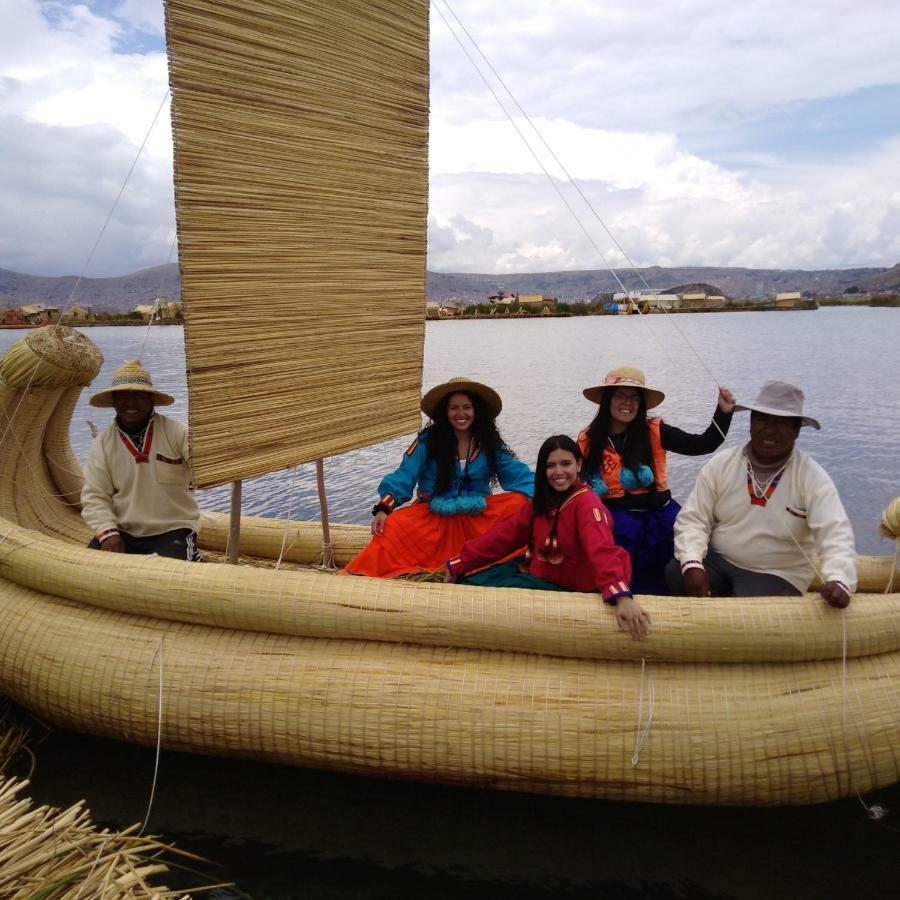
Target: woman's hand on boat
{"type": "Point", "coordinates": [632, 617]}
{"type": "Point", "coordinates": [696, 582]}
{"type": "Point", "coordinates": [113, 544]}
{"type": "Point", "coordinates": [726, 400]}
{"type": "Point", "coordinates": [835, 594]}
{"type": "Point", "coordinates": [378, 521]}
{"type": "Point", "coordinates": [449, 577]}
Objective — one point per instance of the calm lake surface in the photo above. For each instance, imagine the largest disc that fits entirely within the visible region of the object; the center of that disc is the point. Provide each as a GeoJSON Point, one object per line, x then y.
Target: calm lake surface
{"type": "Point", "coordinates": [841, 356]}
{"type": "Point", "coordinates": [289, 833]}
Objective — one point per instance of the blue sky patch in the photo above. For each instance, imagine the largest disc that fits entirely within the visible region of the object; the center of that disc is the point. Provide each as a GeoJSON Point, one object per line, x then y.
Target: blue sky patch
{"type": "Point", "coordinates": [821, 129]}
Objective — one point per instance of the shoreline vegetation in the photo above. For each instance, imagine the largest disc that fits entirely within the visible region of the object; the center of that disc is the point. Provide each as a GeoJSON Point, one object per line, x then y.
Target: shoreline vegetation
{"type": "Point", "coordinates": [60, 854]}
{"type": "Point", "coordinates": [560, 309]}
{"type": "Point", "coordinates": [565, 309]}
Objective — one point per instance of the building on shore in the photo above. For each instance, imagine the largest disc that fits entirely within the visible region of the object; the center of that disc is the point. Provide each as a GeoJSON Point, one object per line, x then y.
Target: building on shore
{"type": "Point", "coordinates": [792, 300]}
{"type": "Point", "coordinates": [39, 314]}
{"type": "Point", "coordinates": [451, 308]}
{"type": "Point", "coordinates": [537, 303]}
{"type": "Point", "coordinates": [161, 310]}
{"type": "Point", "coordinates": [76, 314]}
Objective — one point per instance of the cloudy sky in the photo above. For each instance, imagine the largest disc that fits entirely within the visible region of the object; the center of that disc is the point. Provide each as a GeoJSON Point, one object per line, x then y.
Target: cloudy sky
{"type": "Point", "coordinates": [762, 134]}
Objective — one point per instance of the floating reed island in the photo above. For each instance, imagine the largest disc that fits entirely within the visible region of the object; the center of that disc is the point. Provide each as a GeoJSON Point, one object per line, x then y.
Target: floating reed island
{"type": "Point", "coordinates": [745, 701]}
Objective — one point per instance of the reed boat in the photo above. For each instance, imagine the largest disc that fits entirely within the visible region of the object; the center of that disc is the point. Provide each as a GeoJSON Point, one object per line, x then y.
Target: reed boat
{"type": "Point", "coordinates": [744, 701]}
{"type": "Point", "coordinates": [301, 179]}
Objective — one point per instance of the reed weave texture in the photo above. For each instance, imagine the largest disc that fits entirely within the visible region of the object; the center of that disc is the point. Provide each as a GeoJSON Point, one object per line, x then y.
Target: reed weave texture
{"type": "Point", "coordinates": [301, 181]}
{"type": "Point", "coordinates": [519, 690]}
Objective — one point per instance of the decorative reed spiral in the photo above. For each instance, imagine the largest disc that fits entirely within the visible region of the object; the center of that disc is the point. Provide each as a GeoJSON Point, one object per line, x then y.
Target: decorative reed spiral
{"type": "Point", "coordinates": [890, 520]}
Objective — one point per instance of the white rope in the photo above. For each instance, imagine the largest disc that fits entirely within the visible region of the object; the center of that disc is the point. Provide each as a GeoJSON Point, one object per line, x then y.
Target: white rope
{"type": "Point", "coordinates": [162, 275]}
{"type": "Point", "coordinates": [890, 584]}
{"type": "Point", "coordinates": [287, 520]}
{"type": "Point", "coordinates": [159, 715]}
{"type": "Point", "coordinates": [642, 735]}
{"type": "Point", "coordinates": [875, 812]}
{"type": "Point", "coordinates": [97, 857]}
{"type": "Point", "coordinates": [531, 150]}
{"type": "Point", "coordinates": [65, 309]}
{"type": "Point", "coordinates": [112, 209]}
{"type": "Point", "coordinates": [571, 181]}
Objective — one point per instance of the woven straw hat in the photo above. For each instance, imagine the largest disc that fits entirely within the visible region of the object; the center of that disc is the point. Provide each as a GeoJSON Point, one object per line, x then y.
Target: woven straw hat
{"type": "Point", "coordinates": [131, 376]}
{"type": "Point", "coordinates": [625, 376]}
{"type": "Point", "coordinates": [455, 385]}
{"type": "Point", "coordinates": [778, 398]}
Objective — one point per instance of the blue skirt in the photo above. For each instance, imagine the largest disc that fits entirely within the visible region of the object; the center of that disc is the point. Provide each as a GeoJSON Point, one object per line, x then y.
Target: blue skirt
{"type": "Point", "coordinates": [649, 537]}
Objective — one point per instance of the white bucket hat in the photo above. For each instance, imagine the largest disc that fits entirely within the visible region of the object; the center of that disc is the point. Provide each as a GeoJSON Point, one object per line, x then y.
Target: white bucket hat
{"type": "Point", "coordinates": [778, 398]}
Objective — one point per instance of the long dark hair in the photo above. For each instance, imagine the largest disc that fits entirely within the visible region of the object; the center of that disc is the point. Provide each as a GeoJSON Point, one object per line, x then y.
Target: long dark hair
{"type": "Point", "coordinates": [547, 498]}
{"type": "Point", "coordinates": [637, 440]}
{"type": "Point", "coordinates": [441, 440]}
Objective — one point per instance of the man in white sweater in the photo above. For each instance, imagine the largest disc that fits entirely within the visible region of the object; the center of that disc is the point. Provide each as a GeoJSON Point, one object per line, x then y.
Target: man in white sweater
{"type": "Point", "coordinates": [760, 513]}
{"type": "Point", "coordinates": [137, 495]}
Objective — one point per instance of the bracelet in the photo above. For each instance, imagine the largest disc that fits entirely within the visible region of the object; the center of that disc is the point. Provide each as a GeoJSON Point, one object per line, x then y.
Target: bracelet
{"type": "Point", "coordinates": [380, 507]}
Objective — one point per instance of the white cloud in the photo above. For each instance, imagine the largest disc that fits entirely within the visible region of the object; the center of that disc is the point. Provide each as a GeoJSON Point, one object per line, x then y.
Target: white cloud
{"type": "Point", "coordinates": [142, 15]}
{"type": "Point", "coordinates": [648, 66]}
{"type": "Point", "coordinates": [618, 88]}
{"type": "Point", "coordinates": [57, 186]}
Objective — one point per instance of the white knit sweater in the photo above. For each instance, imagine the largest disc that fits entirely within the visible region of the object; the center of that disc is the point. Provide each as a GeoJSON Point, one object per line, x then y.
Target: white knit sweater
{"type": "Point", "coordinates": [141, 499]}
{"type": "Point", "coordinates": [803, 510]}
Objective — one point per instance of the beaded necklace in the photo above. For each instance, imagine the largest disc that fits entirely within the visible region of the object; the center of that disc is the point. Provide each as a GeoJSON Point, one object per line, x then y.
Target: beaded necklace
{"type": "Point", "coordinates": [761, 491]}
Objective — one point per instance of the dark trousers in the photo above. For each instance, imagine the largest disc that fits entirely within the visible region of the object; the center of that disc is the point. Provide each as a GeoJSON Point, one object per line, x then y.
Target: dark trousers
{"type": "Point", "coordinates": [727, 580]}
{"type": "Point", "coordinates": [178, 544]}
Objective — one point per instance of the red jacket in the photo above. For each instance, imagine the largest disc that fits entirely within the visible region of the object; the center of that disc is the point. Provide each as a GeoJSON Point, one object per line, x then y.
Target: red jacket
{"type": "Point", "coordinates": [591, 561]}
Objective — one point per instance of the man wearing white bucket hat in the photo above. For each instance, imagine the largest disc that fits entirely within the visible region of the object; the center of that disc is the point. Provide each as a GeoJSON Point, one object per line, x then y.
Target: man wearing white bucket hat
{"type": "Point", "coordinates": [137, 494]}
{"type": "Point", "coordinates": [760, 513]}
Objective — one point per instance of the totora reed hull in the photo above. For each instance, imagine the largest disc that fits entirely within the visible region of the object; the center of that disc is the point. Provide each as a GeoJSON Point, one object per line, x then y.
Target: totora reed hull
{"type": "Point", "coordinates": [731, 702]}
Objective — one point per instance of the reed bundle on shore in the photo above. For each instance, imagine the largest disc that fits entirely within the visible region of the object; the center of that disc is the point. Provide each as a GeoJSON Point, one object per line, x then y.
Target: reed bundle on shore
{"type": "Point", "coordinates": [53, 854]}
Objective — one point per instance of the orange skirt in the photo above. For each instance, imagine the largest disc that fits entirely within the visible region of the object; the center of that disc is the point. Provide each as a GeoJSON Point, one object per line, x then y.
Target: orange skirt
{"type": "Point", "coordinates": [417, 540]}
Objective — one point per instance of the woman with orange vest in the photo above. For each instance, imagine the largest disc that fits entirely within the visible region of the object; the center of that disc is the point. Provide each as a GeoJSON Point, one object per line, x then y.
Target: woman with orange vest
{"type": "Point", "coordinates": [625, 461]}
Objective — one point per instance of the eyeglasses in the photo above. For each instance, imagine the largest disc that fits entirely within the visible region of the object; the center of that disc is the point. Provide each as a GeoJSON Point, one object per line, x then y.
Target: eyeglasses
{"type": "Point", "coordinates": [630, 399]}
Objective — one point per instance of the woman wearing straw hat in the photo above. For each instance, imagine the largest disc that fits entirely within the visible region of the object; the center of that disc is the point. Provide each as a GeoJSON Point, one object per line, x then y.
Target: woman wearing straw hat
{"type": "Point", "coordinates": [625, 459]}
{"type": "Point", "coordinates": [137, 494]}
{"type": "Point", "coordinates": [450, 469]}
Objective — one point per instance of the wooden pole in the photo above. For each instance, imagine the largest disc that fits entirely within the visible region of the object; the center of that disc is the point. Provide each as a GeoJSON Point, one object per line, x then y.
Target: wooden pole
{"type": "Point", "coordinates": [234, 524]}
{"type": "Point", "coordinates": [327, 551]}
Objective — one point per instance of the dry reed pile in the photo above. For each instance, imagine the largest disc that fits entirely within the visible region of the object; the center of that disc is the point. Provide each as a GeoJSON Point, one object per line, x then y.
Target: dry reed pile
{"type": "Point", "coordinates": [52, 854]}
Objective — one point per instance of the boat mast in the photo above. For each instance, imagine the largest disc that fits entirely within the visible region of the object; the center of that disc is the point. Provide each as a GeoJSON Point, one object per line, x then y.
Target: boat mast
{"type": "Point", "coordinates": [327, 550]}
{"type": "Point", "coordinates": [234, 524]}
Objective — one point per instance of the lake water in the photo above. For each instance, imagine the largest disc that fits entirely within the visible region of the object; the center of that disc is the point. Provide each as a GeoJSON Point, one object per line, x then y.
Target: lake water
{"type": "Point", "coordinates": [841, 356]}
{"type": "Point", "coordinates": [289, 833]}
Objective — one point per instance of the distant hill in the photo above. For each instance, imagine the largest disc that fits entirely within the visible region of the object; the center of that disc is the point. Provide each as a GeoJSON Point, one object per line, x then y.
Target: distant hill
{"type": "Point", "coordinates": [885, 281]}
{"type": "Point", "coordinates": [127, 291]}
{"type": "Point", "coordinates": [733, 282]}
{"type": "Point", "coordinates": [699, 287]}
{"type": "Point", "coordinates": [102, 294]}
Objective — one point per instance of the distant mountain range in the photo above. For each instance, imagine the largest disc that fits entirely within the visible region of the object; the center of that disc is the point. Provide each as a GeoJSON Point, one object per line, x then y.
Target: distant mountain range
{"type": "Point", "coordinates": [127, 291]}
{"type": "Point", "coordinates": [101, 294]}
